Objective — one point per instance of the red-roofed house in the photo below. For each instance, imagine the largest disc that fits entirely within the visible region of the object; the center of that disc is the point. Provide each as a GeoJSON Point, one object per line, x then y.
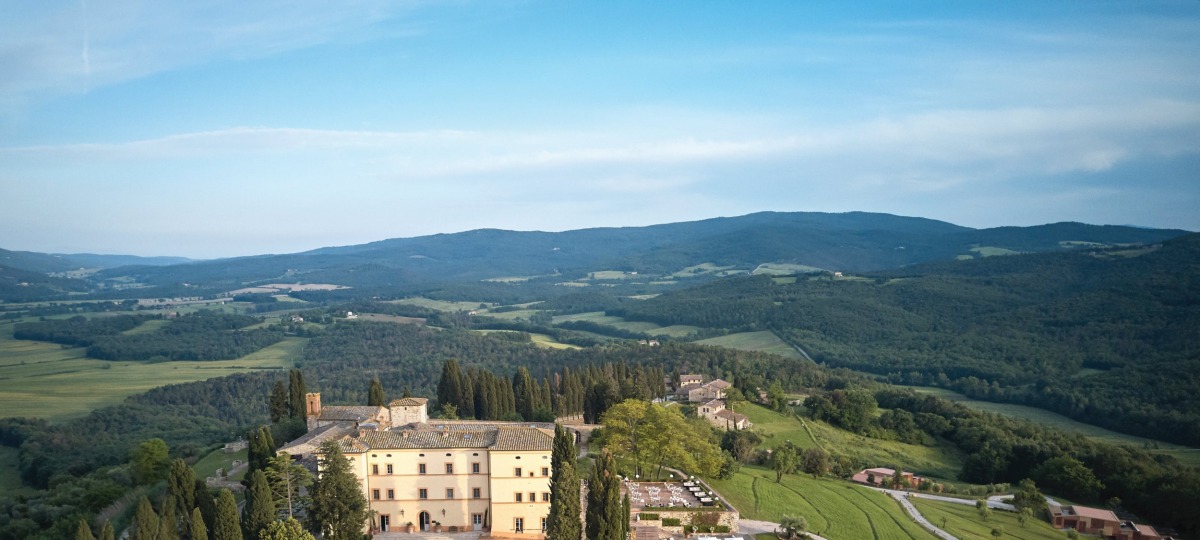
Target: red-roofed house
{"type": "Point", "coordinates": [1136, 531]}
{"type": "Point", "coordinates": [877, 475]}
{"type": "Point", "coordinates": [1085, 520]}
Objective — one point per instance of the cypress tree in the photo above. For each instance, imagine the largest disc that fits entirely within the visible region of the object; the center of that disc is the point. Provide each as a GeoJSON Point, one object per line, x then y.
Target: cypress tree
{"type": "Point", "coordinates": [168, 528]}
{"type": "Point", "coordinates": [145, 521]}
{"type": "Point", "coordinates": [226, 525]}
{"type": "Point", "coordinates": [375, 393]}
{"type": "Point", "coordinates": [278, 404]}
{"type": "Point", "coordinates": [262, 449]}
{"type": "Point", "coordinates": [338, 508]}
{"type": "Point", "coordinates": [198, 531]}
{"type": "Point", "coordinates": [84, 531]}
{"type": "Point", "coordinates": [296, 392]}
{"type": "Point", "coordinates": [604, 509]}
{"type": "Point", "coordinates": [449, 388]}
{"type": "Point", "coordinates": [563, 521]}
{"type": "Point", "coordinates": [207, 504]}
{"type": "Point", "coordinates": [259, 510]}
{"type": "Point", "coordinates": [181, 484]}
{"type": "Point", "coordinates": [106, 531]}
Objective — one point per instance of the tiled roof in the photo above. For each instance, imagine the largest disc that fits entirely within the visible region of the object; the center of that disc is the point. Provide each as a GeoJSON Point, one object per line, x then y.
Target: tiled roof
{"type": "Point", "coordinates": [413, 439]}
{"type": "Point", "coordinates": [718, 384]}
{"type": "Point", "coordinates": [508, 438]}
{"type": "Point", "coordinates": [409, 402]}
{"type": "Point", "coordinates": [356, 413]}
{"type": "Point", "coordinates": [438, 424]}
{"type": "Point", "coordinates": [310, 441]}
{"type": "Point", "coordinates": [727, 414]}
{"type": "Point", "coordinates": [716, 404]}
{"type": "Point", "coordinates": [1093, 513]}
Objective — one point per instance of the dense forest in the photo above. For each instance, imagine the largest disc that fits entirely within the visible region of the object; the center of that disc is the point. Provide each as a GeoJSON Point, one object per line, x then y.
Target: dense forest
{"type": "Point", "coordinates": [1104, 337]}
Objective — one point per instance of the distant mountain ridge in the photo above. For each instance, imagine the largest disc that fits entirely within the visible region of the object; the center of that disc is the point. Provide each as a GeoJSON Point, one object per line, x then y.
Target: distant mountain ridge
{"type": "Point", "coordinates": [852, 241]}
{"type": "Point", "coordinates": [59, 262]}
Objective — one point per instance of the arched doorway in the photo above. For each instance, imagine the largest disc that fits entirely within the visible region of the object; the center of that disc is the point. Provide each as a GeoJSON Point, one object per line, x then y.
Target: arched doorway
{"type": "Point", "coordinates": [423, 519]}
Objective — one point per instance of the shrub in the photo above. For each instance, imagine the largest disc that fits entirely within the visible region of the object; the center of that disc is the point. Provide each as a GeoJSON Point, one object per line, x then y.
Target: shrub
{"type": "Point", "coordinates": [671, 522]}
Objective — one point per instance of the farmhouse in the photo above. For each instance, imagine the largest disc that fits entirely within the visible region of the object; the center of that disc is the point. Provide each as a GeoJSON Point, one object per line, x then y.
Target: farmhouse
{"type": "Point", "coordinates": [715, 412]}
{"type": "Point", "coordinates": [460, 475]}
{"type": "Point", "coordinates": [709, 391]}
{"type": "Point", "coordinates": [1086, 520]}
{"type": "Point", "coordinates": [880, 475]}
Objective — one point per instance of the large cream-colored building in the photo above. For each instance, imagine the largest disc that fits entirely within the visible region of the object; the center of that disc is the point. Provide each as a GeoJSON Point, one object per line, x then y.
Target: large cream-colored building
{"type": "Point", "coordinates": [469, 475]}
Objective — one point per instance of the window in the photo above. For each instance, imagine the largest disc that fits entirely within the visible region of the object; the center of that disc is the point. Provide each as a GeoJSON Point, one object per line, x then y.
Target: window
{"type": "Point", "coordinates": [422, 493]}
{"type": "Point", "coordinates": [545, 470]}
{"type": "Point", "coordinates": [519, 524]}
{"type": "Point", "coordinates": [391, 494]}
{"type": "Point", "coordinates": [519, 495]}
{"type": "Point", "coordinates": [546, 496]}
{"type": "Point", "coordinates": [517, 472]}
{"type": "Point", "coordinates": [374, 469]}
{"type": "Point", "coordinates": [449, 493]}
{"type": "Point", "coordinates": [543, 524]}
{"type": "Point", "coordinates": [477, 519]}
{"type": "Point", "coordinates": [449, 468]}
{"type": "Point", "coordinates": [475, 493]}
{"type": "Point", "coordinates": [375, 494]}
{"type": "Point", "coordinates": [421, 468]}
{"type": "Point", "coordinates": [389, 468]}
{"type": "Point", "coordinates": [474, 468]}
{"type": "Point", "coordinates": [532, 497]}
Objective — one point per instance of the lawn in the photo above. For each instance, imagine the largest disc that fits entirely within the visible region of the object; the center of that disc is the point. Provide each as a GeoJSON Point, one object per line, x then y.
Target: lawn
{"type": "Point", "coordinates": [765, 341]}
{"type": "Point", "coordinates": [965, 522]}
{"type": "Point", "coordinates": [834, 509]}
{"type": "Point", "coordinates": [1185, 455]}
{"type": "Point", "coordinates": [776, 428]}
{"type": "Point", "coordinates": [598, 317]}
{"type": "Point", "coordinates": [51, 381]}
{"type": "Point", "coordinates": [218, 459]}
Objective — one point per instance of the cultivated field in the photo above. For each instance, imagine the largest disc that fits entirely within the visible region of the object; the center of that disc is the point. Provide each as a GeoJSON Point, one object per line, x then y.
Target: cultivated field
{"type": "Point", "coordinates": [785, 268]}
{"type": "Point", "coordinates": [439, 305]}
{"type": "Point", "coordinates": [1186, 455]}
{"type": "Point", "coordinates": [764, 341]}
{"type": "Point", "coordinates": [599, 317]}
{"type": "Point", "coordinates": [541, 340]}
{"type": "Point", "coordinates": [379, 317]}
{"type": "Point", "coordinates": [51, 381]}
{"type": "Point", "coordinates": [835, 509]}
{"type": "Point", "coordinates": [965, 522]}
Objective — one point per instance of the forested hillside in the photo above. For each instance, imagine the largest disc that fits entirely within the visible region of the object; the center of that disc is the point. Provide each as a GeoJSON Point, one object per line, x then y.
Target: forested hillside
{"type": "Point", "coordinates": [1106, 337]}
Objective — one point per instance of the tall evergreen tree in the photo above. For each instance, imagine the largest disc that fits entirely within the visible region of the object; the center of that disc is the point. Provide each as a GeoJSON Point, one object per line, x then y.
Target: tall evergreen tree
{"type": "Point", "coordinates": [84, 531]}
{"type": "Point", "coordinates": [197, 530]}
{"type": "Point", "coordinates": [181, 484]}
{"type": "Point", "coordinates": [168, 523]}
{"type": "Point", "coordinates": [449, 388]}
{"type": "Point", "coordinates": [145, 521]}
{"type": "Point", "coordinates": [563, 521]}
{"type": "Point", "coordinates": [278, 405]}
{"type": "Point", "coordinates": [259, 510]}
{"type": "Point", "coordinates": [523, 393]}
{"type": "Point", "coordinates": [375, 393]}
{"type": "Point", "coordinates": [606, 516]}
{"type": "Point", "coordinates": [207, 504]}
{"type": "Point", "coordinates": [338, 509]}
{"type": "Point", "coordinates": [296, 393]}
{"type": "Point", "coordinates": [262, 449]}
{"type": "Point", "coordinates": [226, 525]}
{"type": "Point", "coordinates": [287, 479]}
{"type": "Point", "coordinates": [106, 531]}
{"type": "Point", "coordinates": [288, 529]}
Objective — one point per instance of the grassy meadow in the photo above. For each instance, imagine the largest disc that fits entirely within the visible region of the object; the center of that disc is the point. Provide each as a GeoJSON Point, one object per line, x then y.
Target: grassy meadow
{"type": "Point", "coordinates": [598, 317]}
{"type": "Point", "coordinates": [218, 459]}
{"type": "Point", "coordinates": [54, 382]}
{"type": "Point", "coordinates": [1185, 455]}
{"type": "Point", "coordinates": [541, 340]}
{"type": "Point", "coordinates": [835, 509]}
{"type": "Point", "coordinates": [965, 522]}
{"type": "Point", "coordinates": [765, 341]}
{"type": "Point", "coordinates": [439, 305]}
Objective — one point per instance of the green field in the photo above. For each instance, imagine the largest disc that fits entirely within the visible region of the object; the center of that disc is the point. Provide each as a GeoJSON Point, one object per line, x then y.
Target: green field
{"type": "Point", "coordinates": [965, 522]}
{"type": "Point", "coordinates": [541, 340]}
{"type": "Point", "coordinates": [990, 251]}
{"type": "Point", "coordinates": [785, 268]}
{"type": "Point", "coordinates": [598, 317]}
{"type": "Point", "coordinates": [835, 509]}
{"type": "Point", "coordinates": [218, 459]}
{"type": "Point", "coordinates": [705, 269]}
{"type": "Point", "coordinates": [765, 341]}
{"type": "Point", "coordinates": [439, 304]}
{"type": "Point", "coordinates": [941, 461]}
{"type": "Point", "coordinates": [51, 381]}
{"type": "Point", "coordinates": [1185, 455]}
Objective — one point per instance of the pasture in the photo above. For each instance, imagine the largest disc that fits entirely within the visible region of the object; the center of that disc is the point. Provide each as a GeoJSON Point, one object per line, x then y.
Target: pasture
{"type": "Point", "coordinates": [541, 340]}
{"type": "Point", "coordinates": [54, 382]}
{"type": "Point", "coordinates": [219, 459]}
{"type": "Point", "coordinates": [965, 522]}
{"type": "Point", "coordinates": [764, 341]}
{"type": "Point", "coordinates": [1185, 455]}
{"type": "Point", "coordinates": [598, 317]}
{"type": "Point", "coordinates": [440, 305]}
{"type": "Point", "coordinates": [835, 509]}
{"type": "Point", "coordinates": [778, 269]}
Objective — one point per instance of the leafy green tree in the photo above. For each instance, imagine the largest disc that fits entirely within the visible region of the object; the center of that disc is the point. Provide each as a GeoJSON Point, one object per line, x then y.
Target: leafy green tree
{"type": "Point", "coordinates": [226, 525]}
{"type": "Point", "coordinates": [145, 521]}
{"type": "Point", "coordinates": [261, 450]}
{"type": "Point", "coordinates": [1023, 516]}
{"type": "Point", "coordinates": [288, 529]}
{"type": "Point", "coordinates": [181, 484]}
{"type": "Point", "coordinates": [277, 405]}
{"type": "Point", "coordinates": [259, 510]}
{"type": "Point", "coordinates": [338, 508]}
{"type": "Point", "coordinates": [815, 461]}
{"type": "Point", "coordinates": [375, 393]}
{"type": "Point", "coordinates": [562, 523]}
{"type": "Point", "coordinates": [1029, 497]}
{"type": "Point", "coordinates": [149, 461]}
{"type": "Point", "coordinates": [288, 480]}
{"type": "Point", "coordinates": [604, 509]}
{"type": "Point", "coordinates": [792, 526]}
{"type": "Point", "coordinates": [652, 434]}
{"type": "Point", "coordinates": [1068, 476]}
{"type": "Point", "coordinates": [777, 397]}
{"type": "Point", "coordinates": [197, 531]}
{"type": "Point", "coordinates": [997, 532]}
{"type": "Point", "coordinates": [982, 508]}
{"type": "Point", "coordinates": [106, 531]}
{"type": "Point", "coordinates": [84, 532]}
{"type": "Point", "coordinates": [784, 460]}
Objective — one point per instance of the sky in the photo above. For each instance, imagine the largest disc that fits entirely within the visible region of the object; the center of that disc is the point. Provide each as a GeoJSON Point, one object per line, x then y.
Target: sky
{"type": "Point", "coordinates": [212, 128]}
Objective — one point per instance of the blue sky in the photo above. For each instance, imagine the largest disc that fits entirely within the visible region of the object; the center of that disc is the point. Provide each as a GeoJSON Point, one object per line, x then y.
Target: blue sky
{"type": "Point", "coordinates": [211, 128]}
